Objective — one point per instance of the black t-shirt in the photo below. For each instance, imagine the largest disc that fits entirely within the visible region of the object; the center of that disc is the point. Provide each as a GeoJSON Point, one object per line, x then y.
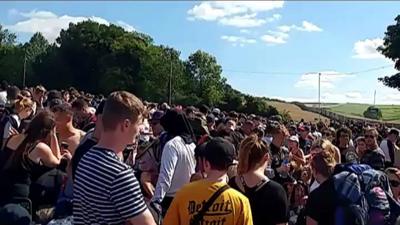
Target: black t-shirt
{"type": "Point", "coordinates": [80, 152]}
{"type": "Point", "coordinates": [321, 204]}
{"type": "Point", "coordinates": [269, 203]}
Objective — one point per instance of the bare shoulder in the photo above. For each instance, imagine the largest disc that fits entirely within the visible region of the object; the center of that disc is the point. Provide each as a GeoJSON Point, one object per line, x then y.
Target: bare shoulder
{"type": "Point", "coordinates": [42, 147]}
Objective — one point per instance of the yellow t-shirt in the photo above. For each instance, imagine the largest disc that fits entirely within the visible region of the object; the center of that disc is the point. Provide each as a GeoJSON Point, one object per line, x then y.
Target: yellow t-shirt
{"type": "Point", "coordinates": [230, 208]}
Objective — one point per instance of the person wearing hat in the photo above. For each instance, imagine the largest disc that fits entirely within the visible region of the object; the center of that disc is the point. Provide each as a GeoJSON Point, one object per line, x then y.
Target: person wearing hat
{"type": "Point", "coordinates": [229, 208]}
{"type": "Point", "coordinates": [296, 155]}
{"type": "Point", "coordinates": [149, 158]}
{"type": "Point", "coordinates": [394, 179]}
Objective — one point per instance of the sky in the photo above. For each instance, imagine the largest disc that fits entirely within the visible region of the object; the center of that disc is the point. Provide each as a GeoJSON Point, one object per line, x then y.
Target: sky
{"type": "Point", "coordinates": [273, 48]}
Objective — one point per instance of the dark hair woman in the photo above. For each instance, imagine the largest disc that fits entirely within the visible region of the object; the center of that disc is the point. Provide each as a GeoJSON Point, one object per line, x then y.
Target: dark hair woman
{"type": "Point", "coordinates": [27, 156]}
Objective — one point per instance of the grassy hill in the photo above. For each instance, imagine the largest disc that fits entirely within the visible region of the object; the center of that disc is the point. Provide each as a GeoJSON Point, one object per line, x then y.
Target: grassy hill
{"type": "Point", "coordinates": [295, 112]}
{"type": "Point", "coordinates": [389, 112]}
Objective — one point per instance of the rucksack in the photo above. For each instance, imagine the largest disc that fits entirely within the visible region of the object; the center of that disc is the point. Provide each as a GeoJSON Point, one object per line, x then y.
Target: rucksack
{"type": "Point", "coordinates": [4, 119]}
{"type": "Point", "coordinates": [364, 196]}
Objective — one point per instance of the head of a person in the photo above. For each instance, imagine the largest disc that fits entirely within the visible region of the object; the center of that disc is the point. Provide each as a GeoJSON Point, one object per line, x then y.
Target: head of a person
{"type": "Point", "coordinates": [39, 91]}
{"type": "Point", "coordinates": [393, 135]}
{"type": "Point", "coordinates": [218, 155]}
{"type": "Point", "coordinates": [190, 112]}
{"type": "Point", "coordinates": [155, 123]}
{"type": "Point", "coordinates": [394, 180]}
{"type": "Point", "coordinates": [304, 131]}
{"type": "Point", "coordinates": [361, 145]}
{"type": "Point", "coordinates": [293, 142]}
{"type": "Point", "coordinates": [122, 116]}
{"type": "Point", "coordinates": [204, 109]}
{"type": "Point", "coordinates": [4, 85]}
{"type": "Point", "coordinates": [13, 92]}
{"type": "Point", "coordinates": [322, 165]}
{"type": "Point", "coordinates": [253, 154]}
{"type": "Point", "coordinates": [230, 125]}
{"type": "Point", "coordinates": [41, 126]}
{"type": "Point", "coordinates": [371, 135]}
{"type": "Point", "coordinates": [26, 94]}
{"type": "Point", "coordinates": [24, 107]}
{"type": "Point", "coordinates": [53, 94]}
{"type": "Point", "coordinates": [80, 107]}
{"type": "Point", "coordinates": [278, 131]}
{"type": "Point", "coordinates": [63, 114]}
{"type": "Point", "coordinates": [99, 116]}
{"type": "Point", "coordinates": [343, 136]}
{"type": "Point", "coordinates": [323, 145]}
{"type": "Point", "coordinates": [210, 121]}
{"type": "Point", "coordinates": [66, 96]}
{"type": "Point", "coordinates": [248, 127]}
{"type": "Point", "coordinates": [329, 134]}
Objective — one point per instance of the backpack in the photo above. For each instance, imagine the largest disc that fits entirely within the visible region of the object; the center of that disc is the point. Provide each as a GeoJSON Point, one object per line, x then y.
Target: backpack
{"type": "Point", "coordinates": [4, 119]}
{"type": "Point", "coordinates": [364, 196]}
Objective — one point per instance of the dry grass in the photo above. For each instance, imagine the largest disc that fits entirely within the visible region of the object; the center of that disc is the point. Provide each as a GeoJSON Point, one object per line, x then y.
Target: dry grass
{"type": "Point", "coordinates": [295, 112]}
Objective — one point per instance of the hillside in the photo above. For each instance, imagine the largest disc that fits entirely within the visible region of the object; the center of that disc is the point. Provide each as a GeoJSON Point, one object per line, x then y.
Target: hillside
{"type": "Point", "coordinates": [390, 113]}
{"type": "Point", "coordinates": [295, 112]}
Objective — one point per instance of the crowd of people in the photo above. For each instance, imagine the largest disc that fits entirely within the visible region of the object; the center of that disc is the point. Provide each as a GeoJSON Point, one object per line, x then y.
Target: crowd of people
{"type": "Point", "coordinates": [68, 157]}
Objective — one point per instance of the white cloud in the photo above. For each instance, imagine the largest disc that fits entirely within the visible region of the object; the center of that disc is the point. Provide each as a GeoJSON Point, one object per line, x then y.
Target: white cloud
{"type": "Point", "coordinates": [310, 27]}
{"type": "Point", "coordinates": [247, 20]}
{"type": "Point", "coordinates": [126, 26]}
{"type": "Point", "coordinates": [274, 18]}
{"type": "Point", "coordinates": [50, 24]}
{"type": "Point", "coordinates": [367, 49]}
{"type": "Point", "coordinates": [210, 11]}
{"type": "Point", "coordinates": [328, 80]}
{"type": "Point", "coordinates": [244, 31]}
{"type": "Point", "coordinates": [238, 41]}
{"type": "Point", "coordinates": [354, 95]}
{"type": "Point", "coordinates": [305, 26]}
{"type": "Point", "coordinates": [235, 13]}
{"type": "Point", "coordinates": [275, 37]}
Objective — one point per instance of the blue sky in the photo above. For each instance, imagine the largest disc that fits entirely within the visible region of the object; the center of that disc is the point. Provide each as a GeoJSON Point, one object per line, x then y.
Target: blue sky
{"type": "Point", "coordinates": [270, 49]}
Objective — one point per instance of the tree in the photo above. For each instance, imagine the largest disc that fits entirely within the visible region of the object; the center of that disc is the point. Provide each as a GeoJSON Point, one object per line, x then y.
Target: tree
{"type": "Point", "coordinates": [391, 49]}
{"type": "Point", "coordinates": [6, 37]}
{"type": "Point", "coordinates": [205, 74]}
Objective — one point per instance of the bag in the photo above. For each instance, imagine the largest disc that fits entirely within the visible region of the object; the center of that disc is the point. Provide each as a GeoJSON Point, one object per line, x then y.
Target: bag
{"type": "Point", "coordinates": [4, 118]}
{"type": "Point", "coordinates": [199, 216]}
{"type": "Point", "coordinates": [363, 196]}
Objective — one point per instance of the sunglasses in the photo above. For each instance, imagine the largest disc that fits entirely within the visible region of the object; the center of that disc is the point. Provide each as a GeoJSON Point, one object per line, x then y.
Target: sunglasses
{"type": "Point", "coordinates": [369, 136]}
{"type": "Point", "coordinates": [394, 183]}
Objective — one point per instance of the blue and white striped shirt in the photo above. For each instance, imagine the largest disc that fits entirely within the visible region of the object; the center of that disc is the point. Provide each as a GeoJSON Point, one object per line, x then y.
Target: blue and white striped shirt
{"type": "Point", "coordinates": [105, 190]}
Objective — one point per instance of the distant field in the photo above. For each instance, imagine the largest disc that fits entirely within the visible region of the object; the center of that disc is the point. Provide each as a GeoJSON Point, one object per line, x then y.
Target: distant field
{"type": "Point", "coordinates": [389, 112]}
{"type": "Point", "coordinates": [295, 112]}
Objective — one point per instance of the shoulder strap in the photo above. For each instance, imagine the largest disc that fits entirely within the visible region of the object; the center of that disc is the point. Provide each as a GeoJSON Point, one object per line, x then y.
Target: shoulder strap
{"type": "Point", "coordinates": [199, 216]}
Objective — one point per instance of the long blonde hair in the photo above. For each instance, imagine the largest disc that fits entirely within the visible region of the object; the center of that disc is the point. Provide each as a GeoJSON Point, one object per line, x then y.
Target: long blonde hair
{"type": "Point", "coordinates": [327, 146]}
{"type": "Point", "coordinates": [251, 152]}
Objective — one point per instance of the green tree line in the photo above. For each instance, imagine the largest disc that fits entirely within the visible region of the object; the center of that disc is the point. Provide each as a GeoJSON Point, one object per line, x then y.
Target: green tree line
{"type": "Point", "coordinates": [100, 58]}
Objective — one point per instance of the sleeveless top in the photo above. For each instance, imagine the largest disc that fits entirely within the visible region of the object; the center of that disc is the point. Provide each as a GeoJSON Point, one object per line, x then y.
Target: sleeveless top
{"type": "Point", "coordinates": [17, 171]}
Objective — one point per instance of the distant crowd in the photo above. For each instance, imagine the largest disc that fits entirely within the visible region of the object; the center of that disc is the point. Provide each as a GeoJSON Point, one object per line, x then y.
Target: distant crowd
{"type": "Point", "coordinates": [69, 157]}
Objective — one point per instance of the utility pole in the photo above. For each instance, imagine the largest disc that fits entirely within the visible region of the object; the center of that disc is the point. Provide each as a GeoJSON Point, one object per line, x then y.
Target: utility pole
{"type": "Point", "coordinates": [24, 75]}
{"type": "Point", "coordinates": [319, 91]}
{"type": "Point", "coordinates": [170, 80]}
{"type": "Point", "coordinates": [374, 97]}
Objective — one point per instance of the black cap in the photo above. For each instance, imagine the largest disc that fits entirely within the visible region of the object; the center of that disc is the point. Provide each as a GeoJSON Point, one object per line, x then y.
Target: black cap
{"type": "Point", "coordinates": [220, 153]}
{"type": "Point", "coordinates": [210, 118]}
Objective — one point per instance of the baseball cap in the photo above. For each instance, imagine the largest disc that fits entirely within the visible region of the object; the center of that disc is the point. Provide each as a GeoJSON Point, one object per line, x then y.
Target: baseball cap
{"type": "Point", "coordinates": [294, 138]}
{"type": "Point", "coordinates": [216, 111]}
{"type": "Point", "coordinates": [219, 152]}
{"type": "Point", "coordinates": [210, 118]}
{"type": "Point", "coordinates": [304, 128]}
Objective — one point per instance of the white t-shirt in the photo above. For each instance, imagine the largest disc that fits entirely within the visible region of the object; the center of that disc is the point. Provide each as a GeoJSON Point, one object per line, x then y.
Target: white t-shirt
{"type": "Point", "coordinates": [3, 98]}
{"type": "Point", "coordinates": [177, 165]}
{"type": "Point", "coordinates": [385, 149]}
{"type": "Point", "coordinates": [7, 127]}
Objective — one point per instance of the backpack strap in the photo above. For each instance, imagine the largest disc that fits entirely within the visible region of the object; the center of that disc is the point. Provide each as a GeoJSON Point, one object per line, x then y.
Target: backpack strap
{"type": "Point", "coordinates": [199, 216]}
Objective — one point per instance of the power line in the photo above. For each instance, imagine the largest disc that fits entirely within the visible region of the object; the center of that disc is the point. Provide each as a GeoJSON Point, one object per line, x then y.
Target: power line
{"type": "Point", "coordinates": [300, 73]}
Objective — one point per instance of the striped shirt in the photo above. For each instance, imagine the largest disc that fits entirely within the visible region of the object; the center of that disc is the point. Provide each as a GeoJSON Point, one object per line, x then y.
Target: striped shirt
{"type": "Point", "coordinates": [105, 190]}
